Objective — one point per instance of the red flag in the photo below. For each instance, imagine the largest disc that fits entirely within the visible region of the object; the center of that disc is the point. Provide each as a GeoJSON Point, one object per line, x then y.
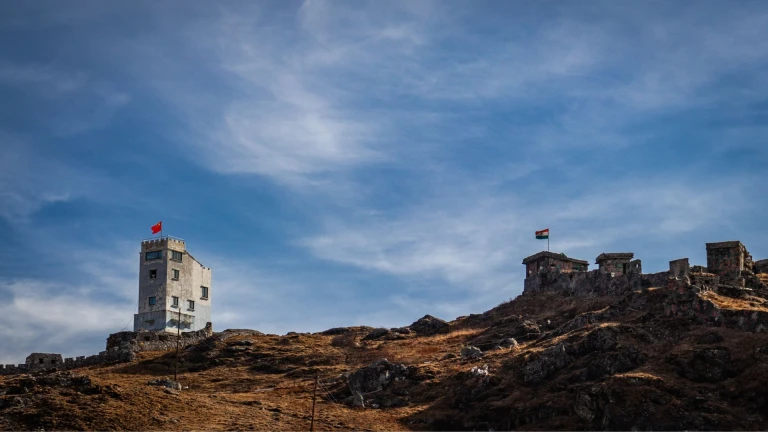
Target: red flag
{"type": "Point", "coordinates": [157, 227]}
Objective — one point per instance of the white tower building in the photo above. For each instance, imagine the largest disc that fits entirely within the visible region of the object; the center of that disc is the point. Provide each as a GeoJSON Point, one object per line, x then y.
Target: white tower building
{"type": "Point", "coordinates": [172, 283]}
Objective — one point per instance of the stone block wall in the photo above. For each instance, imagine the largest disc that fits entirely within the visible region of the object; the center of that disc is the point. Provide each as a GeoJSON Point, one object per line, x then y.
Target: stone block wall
{"type": "Point", "coordinates": [121, 347]}
{"type": "Point", "coordinates": [679, 268]}
{"type": "Point", "coordinates": [683, 299]}
{"type": "Point", "coordinates": [43, 361]}
{"type": "Point", "coordinates": [593, 282]}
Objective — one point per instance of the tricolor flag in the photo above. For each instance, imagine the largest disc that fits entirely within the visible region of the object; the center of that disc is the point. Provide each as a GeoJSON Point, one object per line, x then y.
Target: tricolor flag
{"type": "Point", "coordinates": [158, 227]}
{"type": "Point", "coordinates": [543, 234]}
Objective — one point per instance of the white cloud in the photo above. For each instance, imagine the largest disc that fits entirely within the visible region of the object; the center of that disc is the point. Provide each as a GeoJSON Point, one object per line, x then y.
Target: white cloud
{"type": "Point", "coordinates": [475, 243]}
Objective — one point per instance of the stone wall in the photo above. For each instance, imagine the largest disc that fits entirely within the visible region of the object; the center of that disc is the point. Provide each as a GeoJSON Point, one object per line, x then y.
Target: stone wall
{"type": "Point", "coordinates": [121, 347]}
{"type": "Point", "coordinates": [43, 361]}
{"type": "Point", "coordinates": [683, 299]}
{"type": "Point", "coordinates": [679, 268]}
{"type": "Point", "coordinates": [593, 282]}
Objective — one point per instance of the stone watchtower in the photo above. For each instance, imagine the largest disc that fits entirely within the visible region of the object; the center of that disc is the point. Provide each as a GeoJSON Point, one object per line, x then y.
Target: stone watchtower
{"type": "Point", "coordinates": [171, 280]}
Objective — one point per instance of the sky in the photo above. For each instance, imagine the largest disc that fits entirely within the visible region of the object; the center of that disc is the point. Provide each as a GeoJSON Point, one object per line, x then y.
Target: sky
{"type": "Point", "coordinates": [364, 162]}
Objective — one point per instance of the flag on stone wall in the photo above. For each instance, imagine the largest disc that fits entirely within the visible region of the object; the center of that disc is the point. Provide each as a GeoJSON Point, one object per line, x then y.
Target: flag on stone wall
{"type": "Point", "coordinates": [543, 234]}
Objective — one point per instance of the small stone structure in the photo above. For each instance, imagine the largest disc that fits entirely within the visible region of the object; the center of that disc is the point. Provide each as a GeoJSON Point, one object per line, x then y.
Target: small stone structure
{"type": "Point", "coordinates": [615, 262]}
{"type": "Point", "coordinates": [546, 261]}
{"type": "Point", "coordinates": [679, 268]}
{"type": "Point", "coordinates": [43, 361]}
{"type": "Point", "coordinates": [729, 260]}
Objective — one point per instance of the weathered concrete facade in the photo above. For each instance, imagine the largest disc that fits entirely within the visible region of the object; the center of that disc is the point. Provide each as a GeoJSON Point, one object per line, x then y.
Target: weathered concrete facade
{"type": "Point", "coordinates": [615, 262]}
{"type": "Point", "coordinates": [173, 287]}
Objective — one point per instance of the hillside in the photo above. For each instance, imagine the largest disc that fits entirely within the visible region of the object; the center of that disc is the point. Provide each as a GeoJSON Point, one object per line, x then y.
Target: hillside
{"type": "Point", "coordinates": [581, 362]}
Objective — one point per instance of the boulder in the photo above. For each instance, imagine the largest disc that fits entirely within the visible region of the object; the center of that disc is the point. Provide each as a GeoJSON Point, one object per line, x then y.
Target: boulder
{"type": "Point", "coordinates": [546, 364]}
{"type": "Point", "coordinates": [526, 330]}
{"type": "Point", "coordinates": [508, 343]}
{"type": "Point", "coordinates": [707, 365]}
{"type": "Point", "coordinates": [471, 352]}
{"type": "Point", "coordinates": [376, 376]}
{"type": "Point", "coordinates": [429, 325]}
{"type": "Point", "coordinates": [709, 338]}
{"type": "Point", "coordinates": [377, 333]}
{"type": "Point", "coordinates": [167, 383]}
{"type": "Point", "coordinates": [479, 371]}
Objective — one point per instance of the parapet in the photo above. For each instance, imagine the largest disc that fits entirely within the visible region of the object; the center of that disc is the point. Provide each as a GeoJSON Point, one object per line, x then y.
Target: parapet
{"type": "Point", "coordinates": [725, 244]}
{"type": "Point", "coordinates": [614, 256]}
{"type": "Point", "coordinates": [173, 243]}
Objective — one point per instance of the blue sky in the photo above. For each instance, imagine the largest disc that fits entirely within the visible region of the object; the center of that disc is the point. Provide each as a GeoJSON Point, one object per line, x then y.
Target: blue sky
{"type": "Point", "coordinates": [365, 162]}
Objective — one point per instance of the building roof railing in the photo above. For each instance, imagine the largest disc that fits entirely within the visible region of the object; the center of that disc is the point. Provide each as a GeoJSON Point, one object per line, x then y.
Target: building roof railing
{"type": "Point", "coordinates": [165, 237]}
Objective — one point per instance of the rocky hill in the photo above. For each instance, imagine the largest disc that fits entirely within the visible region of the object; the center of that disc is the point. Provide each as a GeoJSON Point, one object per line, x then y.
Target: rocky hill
{"type": "Point", "coordinates": [665, 358]}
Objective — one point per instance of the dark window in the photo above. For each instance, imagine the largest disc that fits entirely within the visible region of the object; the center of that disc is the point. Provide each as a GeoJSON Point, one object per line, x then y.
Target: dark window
{"type": "Point", "coordinates": [175, 274]}
{"type": "Point", "coordinates": [153, 274]}
{"type": "Point", "coordinates": [153, 255]}
{"type": "Point", "coordinates": [152, 301]}
{"type": "Point", "coordinates": [175, 301]}
{"type": "Point", "coordinates": [42, 361]}
{"type": "Point", "coordinates": [191, 304]}
{"type": "Point", "coordinates": [204, 292]}
{"type": "Point", "coordinates": [176, 255]}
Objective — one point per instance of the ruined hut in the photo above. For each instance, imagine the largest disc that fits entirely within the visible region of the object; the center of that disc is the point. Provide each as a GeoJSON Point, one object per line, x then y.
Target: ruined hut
{"type": "Point", "coordinates": [43, 361]}
{"type": "Point", "coordinates": [730, 260]}
{"type": "Point", "coordinates": [553, 262]}
{"type": "Point", "coordinates": [617, 263]}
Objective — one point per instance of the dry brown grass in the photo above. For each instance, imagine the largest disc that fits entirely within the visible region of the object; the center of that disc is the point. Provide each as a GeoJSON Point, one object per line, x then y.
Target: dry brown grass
{"type": "Point", "coordinates": [724, 302]}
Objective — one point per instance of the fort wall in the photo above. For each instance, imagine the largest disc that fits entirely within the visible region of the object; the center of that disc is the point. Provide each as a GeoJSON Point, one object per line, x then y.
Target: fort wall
{"type": "Point", "coordinates": [121, 347]}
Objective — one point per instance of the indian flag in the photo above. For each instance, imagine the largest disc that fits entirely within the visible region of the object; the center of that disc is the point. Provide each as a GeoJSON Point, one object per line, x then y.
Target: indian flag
{"type": "Point", "coordinates": [543, 234]}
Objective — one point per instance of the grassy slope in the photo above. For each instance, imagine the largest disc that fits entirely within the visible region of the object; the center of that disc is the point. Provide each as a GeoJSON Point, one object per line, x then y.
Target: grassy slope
{"type": "Point", "coordinates": [267, 385]}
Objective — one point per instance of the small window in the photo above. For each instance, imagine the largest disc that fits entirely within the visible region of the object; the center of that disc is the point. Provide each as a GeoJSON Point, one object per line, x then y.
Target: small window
{"type": "Point", "coordinates": [204, 293]}
{"type": "Point", "coordinates": [176, 256]}
{"type": "Point", "coordinates": [191, 304]}
{"type": "Point", "coordinates": [150, 322]}
{"type": "Point", "coordinates": [152, 301]}
{"type": "Point", "coordinates": [175, 301]}
{"type": "Point", "coordinates": [153, 274]}
{"type": "Point", "coordinates": [153, 255]}
{"type": "Point", "coordinates": [175, 274]}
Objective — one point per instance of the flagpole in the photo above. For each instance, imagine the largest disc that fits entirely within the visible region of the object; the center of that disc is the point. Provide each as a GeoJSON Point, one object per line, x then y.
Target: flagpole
{"type": "Point", "coordinates": [548, 242]}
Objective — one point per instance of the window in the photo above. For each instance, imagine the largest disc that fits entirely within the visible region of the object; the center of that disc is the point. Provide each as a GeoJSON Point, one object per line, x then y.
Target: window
{"type": "Point", "coordinates": [153, 274]}
{"type": "Point", "coordinates": [42, 361]}
{"type": "Point", "coordinates": [191, 304]}
{"type": "Point", "coordinates": [176, 256]}
{"type": "Point", "coordinates": [175, 274]}
{"type": "Point", "coordinates": [204, 293]}
{"type": "Point", "coordinates": [152, 301]}
{"type": "Point", "coordinates": [153, 255]}
{"type": "Point", "coordinates": [175, 301]}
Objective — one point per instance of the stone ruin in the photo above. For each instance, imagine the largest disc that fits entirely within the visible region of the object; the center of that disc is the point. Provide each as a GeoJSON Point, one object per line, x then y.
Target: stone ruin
{"type": "Point", "coordinates": [121, 347]}
{"type": "Point", "coordinates": [730, 271]}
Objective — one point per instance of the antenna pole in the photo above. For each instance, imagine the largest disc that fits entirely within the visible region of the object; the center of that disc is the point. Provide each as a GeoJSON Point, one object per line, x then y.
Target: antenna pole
{"type": "Point", "coordinates": [314, 393]}
{"type": "Point", "coordinates": [178, 339]}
